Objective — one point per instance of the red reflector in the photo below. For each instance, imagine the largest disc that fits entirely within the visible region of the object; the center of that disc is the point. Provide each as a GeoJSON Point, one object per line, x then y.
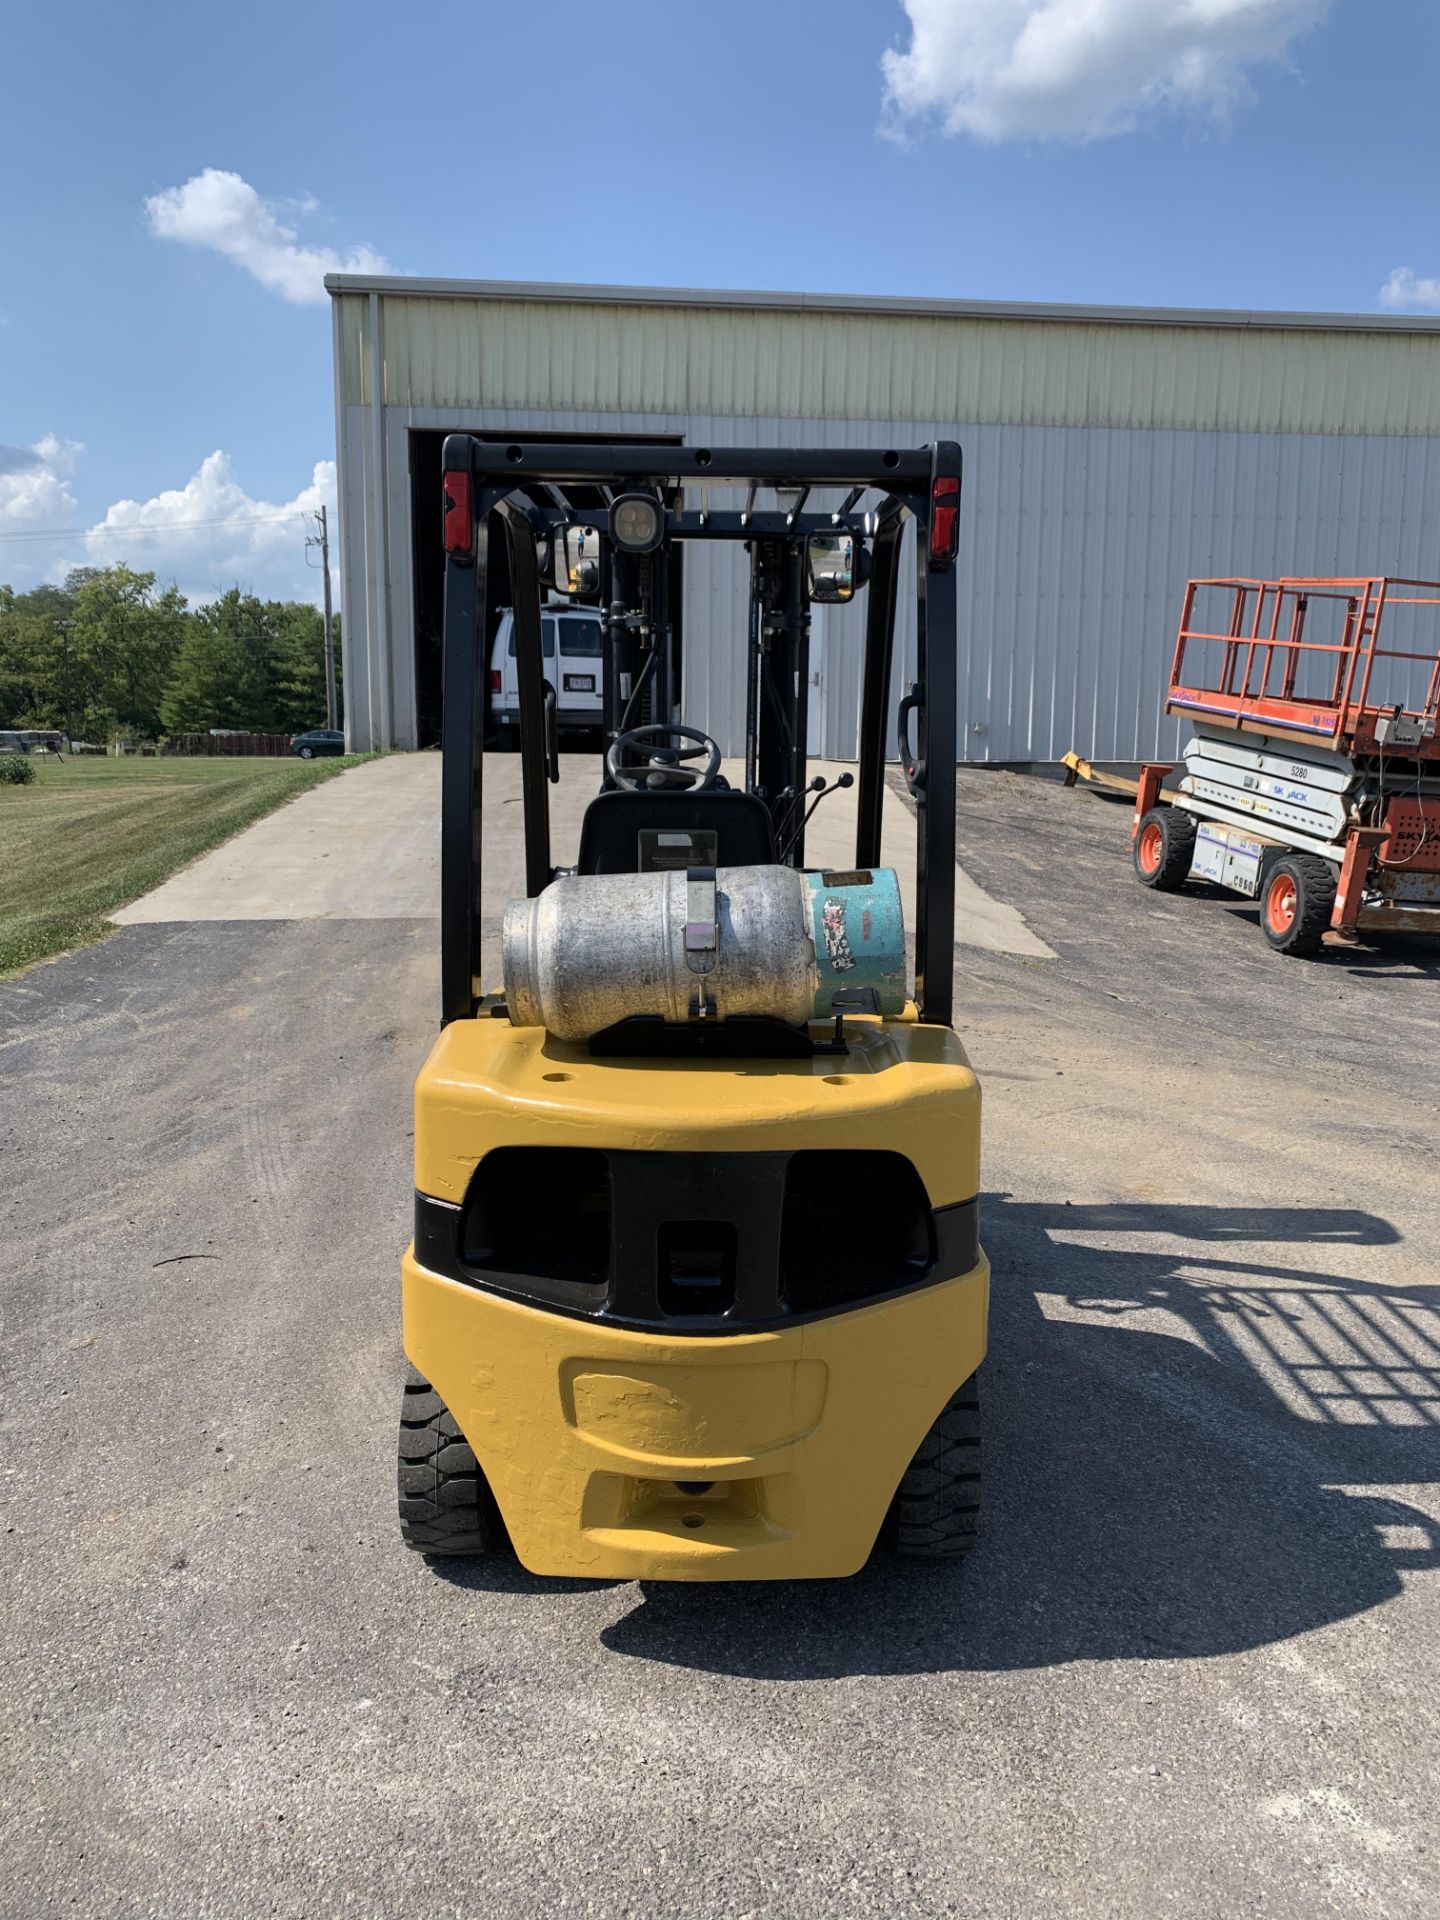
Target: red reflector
{"type": "Point", "coordinates": [945, 519]}
{"type": "Point", "coordinates": [459, 533]}
{"type": "Point", "coordinates": [495, 679]}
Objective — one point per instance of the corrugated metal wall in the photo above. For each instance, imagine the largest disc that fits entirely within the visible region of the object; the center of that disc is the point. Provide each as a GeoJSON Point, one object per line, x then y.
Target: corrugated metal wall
{"type": "Point", "coordinates": [1075, 546]}
{"type": "Point", "coordinates": [1104, 465]}
{"type": "Point", "coordinates": [736, 363]}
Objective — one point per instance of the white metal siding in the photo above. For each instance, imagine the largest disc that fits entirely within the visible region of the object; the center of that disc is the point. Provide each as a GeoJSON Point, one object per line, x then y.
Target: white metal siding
{"type": "Point", "coordinates": [857, 366]}
{"type": "Point", "coordinates": [1103, 466]}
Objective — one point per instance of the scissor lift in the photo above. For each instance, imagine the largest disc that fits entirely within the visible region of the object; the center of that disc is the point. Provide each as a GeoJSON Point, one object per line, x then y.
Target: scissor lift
{"type": "Point", "coordinates": [1312, 781]}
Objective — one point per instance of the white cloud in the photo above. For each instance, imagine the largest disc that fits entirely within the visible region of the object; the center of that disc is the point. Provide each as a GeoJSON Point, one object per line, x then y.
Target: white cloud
{"type": "Point", "coordinates": [35, 486]}
{"type": "Point", "coordinates": [1081, 69]}
{"type": "Point", "coordinates": [210, 534]}
{"type": "Point", "coordinates": [207, 536]}
{"type": "Point", "coordinates": [222, 211]}
{"type": "Point", "coordinates": [1405, 288]}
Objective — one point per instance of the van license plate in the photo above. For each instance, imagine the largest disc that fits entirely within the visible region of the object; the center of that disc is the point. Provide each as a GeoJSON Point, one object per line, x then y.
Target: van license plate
{"type": "Point", "coordinates": [579, 683]}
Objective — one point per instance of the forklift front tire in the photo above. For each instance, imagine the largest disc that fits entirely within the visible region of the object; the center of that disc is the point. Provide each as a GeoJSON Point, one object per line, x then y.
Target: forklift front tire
{"type": "Point", "coordinates": [1164, 848]}
{"type": "Point", "coordinates": [1296, 903]}
{"type": "Point", "coordinates": [446, 1505]}
{"type": "Point", "coordinates": [935, 1514]}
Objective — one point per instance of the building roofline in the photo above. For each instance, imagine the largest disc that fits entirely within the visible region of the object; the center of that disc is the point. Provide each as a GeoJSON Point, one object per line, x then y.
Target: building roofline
{"type": "Point", "coordinates": [399, 286]}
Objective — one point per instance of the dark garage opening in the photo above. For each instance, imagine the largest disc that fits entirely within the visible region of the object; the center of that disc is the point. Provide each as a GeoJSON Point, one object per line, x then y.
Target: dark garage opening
{"type": "Point", "coordinates": [428, 560]}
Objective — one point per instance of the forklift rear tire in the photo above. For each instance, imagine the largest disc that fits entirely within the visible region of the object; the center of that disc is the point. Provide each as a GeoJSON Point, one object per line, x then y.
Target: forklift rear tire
{"type": "Point", "coordinates": [1296, 903]}
{"type": "Point", "coordinates": [935, 1514]}
{"type": "Point", "coordinates": [1164, 848]}
{"type": "Point", "coordinates": [446, 1505]}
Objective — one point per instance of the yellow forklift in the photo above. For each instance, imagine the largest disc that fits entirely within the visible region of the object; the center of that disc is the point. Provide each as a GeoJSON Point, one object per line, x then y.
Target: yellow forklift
{"type": "Point", "coordinates": [696, 1290]}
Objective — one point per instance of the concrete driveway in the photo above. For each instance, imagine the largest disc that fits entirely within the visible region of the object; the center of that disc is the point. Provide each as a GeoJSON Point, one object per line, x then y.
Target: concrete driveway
{"type": "Point", "coordinates": [363, 846]}
{"type": "Point", "coordinates": [1191, 1669]}
{"type": "Point", "coordinates": [367, 847]}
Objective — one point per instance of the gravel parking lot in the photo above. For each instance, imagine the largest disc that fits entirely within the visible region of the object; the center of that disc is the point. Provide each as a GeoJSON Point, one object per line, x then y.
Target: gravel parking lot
{"type": "Point", "coordinates": [1191, 1669]}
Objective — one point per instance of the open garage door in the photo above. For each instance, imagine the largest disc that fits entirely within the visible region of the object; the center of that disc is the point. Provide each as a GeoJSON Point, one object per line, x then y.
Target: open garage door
{"type": "Point", "coordinates": [429, 557]}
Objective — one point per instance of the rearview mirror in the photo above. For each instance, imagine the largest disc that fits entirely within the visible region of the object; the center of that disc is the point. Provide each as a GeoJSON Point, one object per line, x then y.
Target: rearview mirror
{"type": "Point", "coordinates": [830, 567]}
{"type": "Point", "coordinates": [577, 559]}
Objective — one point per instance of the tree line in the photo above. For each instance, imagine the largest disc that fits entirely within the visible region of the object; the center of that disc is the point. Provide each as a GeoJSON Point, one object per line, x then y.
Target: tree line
{"type": "Point", "coordinates": [112, 655]}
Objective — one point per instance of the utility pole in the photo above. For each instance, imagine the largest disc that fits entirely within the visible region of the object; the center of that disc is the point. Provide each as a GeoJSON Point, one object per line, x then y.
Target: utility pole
{"type": "Point", "coordinates": [329, 620]}
{"type": "Point", "coordinates": [63, 628]}
{"type": "Point", "coordinates": [323, 542]}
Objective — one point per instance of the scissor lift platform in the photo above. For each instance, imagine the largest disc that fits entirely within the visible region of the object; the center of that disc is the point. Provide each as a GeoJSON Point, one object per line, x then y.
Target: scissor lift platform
{"type": "Point", "coordinates": [1312, 780]}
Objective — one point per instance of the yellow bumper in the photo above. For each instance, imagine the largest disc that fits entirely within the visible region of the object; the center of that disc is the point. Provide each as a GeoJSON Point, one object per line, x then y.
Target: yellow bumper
{"type": "Point", "coordinates": [900, 1085]}
{"type": "Point", "coordinates": [765, 1456]}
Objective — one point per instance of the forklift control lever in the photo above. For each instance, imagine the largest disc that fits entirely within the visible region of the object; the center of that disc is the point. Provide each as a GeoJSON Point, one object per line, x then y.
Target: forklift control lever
{"type": "Point", "coordinates": [819, 789]}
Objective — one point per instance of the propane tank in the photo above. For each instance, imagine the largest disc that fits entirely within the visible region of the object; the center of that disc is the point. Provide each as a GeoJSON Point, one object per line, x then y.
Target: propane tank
{"type": "Point", "coordinates": [593, 949]}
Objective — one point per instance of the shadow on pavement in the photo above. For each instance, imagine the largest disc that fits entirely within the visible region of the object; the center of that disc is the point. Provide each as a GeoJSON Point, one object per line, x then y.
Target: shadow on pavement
{"type": "Point", "coordinates": [1178, 1445]}
{"type": "Point", "coordinates": [1377, 956]}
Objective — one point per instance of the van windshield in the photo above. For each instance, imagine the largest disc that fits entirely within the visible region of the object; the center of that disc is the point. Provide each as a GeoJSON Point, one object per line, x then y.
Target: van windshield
{"type": "Point", "coordinates": [579, 636]}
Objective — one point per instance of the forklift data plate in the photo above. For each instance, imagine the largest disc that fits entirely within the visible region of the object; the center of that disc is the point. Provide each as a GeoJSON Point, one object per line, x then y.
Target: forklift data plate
{"type": "Point", "coordinates": [676, 850]}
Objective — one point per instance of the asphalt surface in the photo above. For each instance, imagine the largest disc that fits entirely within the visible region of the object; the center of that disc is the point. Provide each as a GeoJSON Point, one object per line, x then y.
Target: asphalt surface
{"type": "Point", "coordinates": [1190, 1670]}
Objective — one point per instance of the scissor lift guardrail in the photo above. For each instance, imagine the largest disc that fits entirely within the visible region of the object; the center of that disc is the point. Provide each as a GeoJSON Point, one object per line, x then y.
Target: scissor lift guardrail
{"type": "Point", "coordinates": [1313, 778]}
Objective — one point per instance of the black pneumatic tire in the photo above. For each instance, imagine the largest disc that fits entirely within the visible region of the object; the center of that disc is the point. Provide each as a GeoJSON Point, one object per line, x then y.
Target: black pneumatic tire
{"type": "Point", "coordinates": [1163, 848]}
{"type": "Point", "coordinates": [307, 753]}
{"type": "Point", "coordinates": [935, 1514]}
{"type": "Point", "coordinates": [1296, 901]}
{"type": "Point", "coordinates": [446, 1505]}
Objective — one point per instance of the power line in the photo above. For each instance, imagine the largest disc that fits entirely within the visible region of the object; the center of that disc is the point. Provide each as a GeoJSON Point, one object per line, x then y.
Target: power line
{"type": "Point", "coordinates": [155, 526]}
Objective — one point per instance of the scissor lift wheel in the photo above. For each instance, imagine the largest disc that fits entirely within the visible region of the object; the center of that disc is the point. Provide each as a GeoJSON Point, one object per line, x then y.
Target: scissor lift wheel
{"type": "Point", "coordinates": [1296, 903]}
{"type": "Point", "coordinates": [1164, 848]}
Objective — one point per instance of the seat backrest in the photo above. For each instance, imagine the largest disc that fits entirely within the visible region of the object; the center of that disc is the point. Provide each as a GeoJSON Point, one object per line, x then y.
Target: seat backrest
{"type": "Point", "coordinates": [626, 832]}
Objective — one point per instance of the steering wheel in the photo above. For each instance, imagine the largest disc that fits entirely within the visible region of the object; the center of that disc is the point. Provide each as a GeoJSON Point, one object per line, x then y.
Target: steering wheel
{"type": "Point", "coordinates": [663, 769]}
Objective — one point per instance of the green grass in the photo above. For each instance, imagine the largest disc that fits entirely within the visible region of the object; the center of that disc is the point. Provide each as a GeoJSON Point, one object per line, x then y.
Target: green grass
{"type": "Point", "coordinates": [87, 835]}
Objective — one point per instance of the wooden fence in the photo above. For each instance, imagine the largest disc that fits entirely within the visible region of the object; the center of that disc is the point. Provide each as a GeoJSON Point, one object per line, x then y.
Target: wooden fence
{"type": "Point", "coordinates": [226, 743]}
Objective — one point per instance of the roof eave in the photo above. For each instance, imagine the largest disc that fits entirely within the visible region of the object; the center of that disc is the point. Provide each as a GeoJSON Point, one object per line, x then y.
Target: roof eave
{"type": "Point", "coordinates": [894, 305]}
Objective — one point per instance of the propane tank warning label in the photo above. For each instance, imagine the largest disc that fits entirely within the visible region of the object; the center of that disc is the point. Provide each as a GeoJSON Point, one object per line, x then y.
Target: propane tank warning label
{"type": "Point", "coordinates": [837, 941]}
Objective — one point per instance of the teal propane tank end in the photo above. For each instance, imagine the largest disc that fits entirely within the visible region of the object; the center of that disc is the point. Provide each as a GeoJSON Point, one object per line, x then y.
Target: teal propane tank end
{"type": "Point", "coordinates": [859, 927]}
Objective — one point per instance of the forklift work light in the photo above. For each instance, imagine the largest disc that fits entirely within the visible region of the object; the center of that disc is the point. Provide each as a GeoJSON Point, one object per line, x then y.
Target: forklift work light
{"type": "Point", "coordinates": [636, 523]}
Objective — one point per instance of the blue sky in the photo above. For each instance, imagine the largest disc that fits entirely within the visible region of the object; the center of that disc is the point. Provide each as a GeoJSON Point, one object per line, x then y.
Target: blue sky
{"type": "Point", "coordinates": [1283, 154]}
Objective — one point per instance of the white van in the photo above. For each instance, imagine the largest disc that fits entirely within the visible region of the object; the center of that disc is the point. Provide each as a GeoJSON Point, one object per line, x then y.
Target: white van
{"type": "Point", "coordinates": [571, 640]}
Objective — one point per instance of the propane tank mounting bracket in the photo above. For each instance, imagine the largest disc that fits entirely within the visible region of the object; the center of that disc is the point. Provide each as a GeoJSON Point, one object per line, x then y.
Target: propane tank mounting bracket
{"type": "Point", "coordinates": [702, 921]}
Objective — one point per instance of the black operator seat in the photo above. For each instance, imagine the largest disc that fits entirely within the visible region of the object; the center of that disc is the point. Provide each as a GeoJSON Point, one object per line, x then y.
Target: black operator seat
{"type": "Point", "coordinates": [625, 832]}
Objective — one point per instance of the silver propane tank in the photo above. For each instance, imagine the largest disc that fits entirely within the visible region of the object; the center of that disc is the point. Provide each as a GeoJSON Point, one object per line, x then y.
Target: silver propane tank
{"type": "Point", "coordinates": [593, 949]}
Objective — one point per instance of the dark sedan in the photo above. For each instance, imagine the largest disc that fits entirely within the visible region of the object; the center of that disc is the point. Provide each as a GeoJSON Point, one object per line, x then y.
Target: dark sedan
{"type": "Point", "coordinates": [319, 740]}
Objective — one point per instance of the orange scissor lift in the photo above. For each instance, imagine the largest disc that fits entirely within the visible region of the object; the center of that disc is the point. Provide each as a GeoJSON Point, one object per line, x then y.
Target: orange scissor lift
{"type": "Point", "coordinates": [1312, 780]}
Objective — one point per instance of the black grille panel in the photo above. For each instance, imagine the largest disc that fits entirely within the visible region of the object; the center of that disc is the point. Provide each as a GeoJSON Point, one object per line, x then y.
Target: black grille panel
{"type": "Point", "coordinates": [540, 1212]}
{"type": "Point", "coordinates": [854, 1224]}
{"type": "Point", "coordinates": [692, 1242]}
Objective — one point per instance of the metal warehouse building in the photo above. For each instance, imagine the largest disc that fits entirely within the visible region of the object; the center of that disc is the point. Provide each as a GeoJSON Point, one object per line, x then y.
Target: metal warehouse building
{"type": "Point", "coordinates": [1109, 454]}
